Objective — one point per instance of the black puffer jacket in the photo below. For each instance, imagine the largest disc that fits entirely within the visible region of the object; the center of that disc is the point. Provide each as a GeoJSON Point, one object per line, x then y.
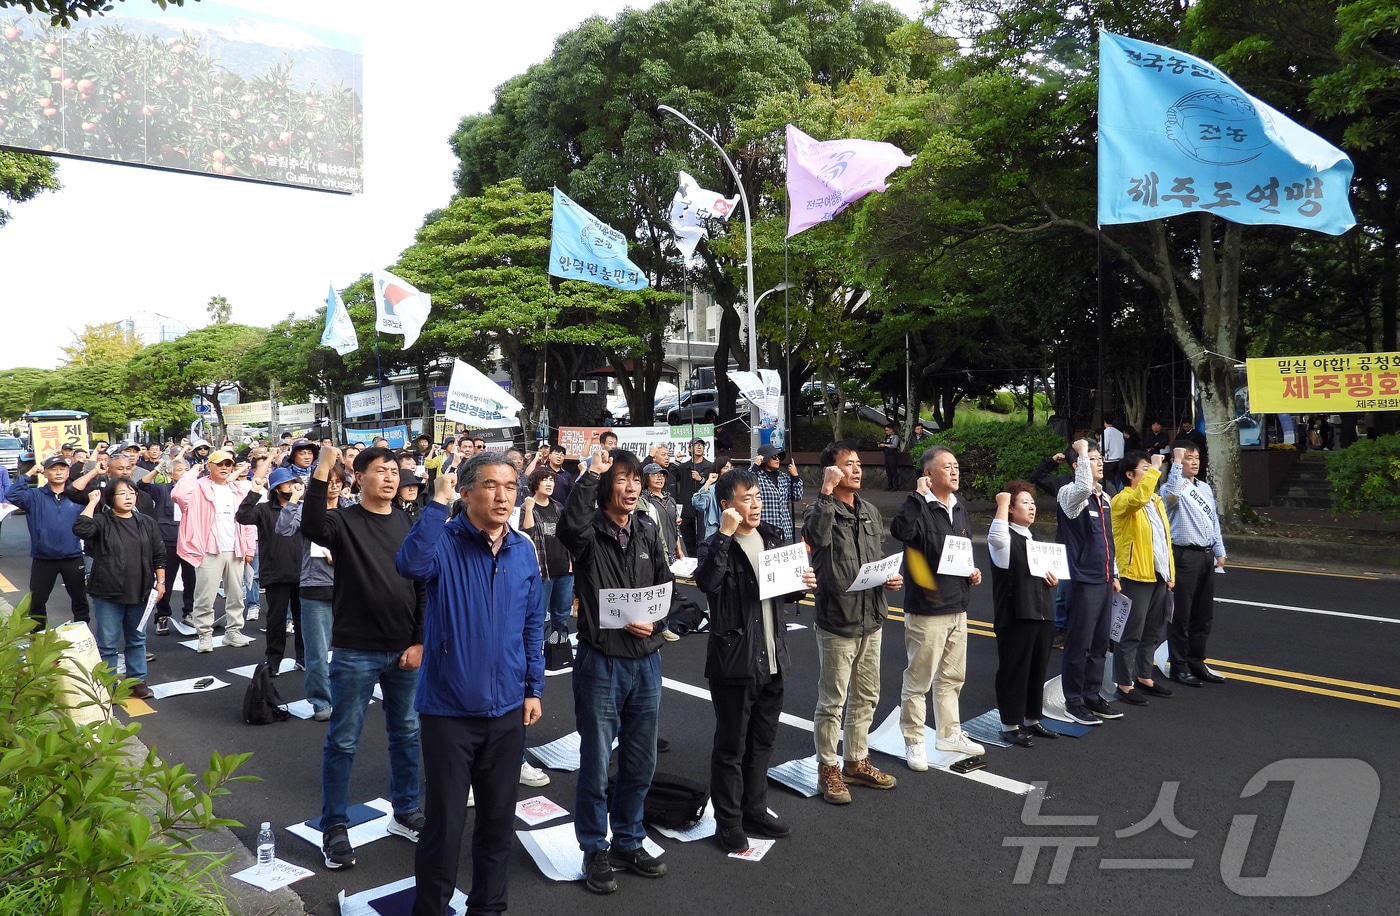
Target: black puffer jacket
{"type": "Point", "coordinates": [109, 559]}
{"type": "Point", "coordinates": [737, 651]}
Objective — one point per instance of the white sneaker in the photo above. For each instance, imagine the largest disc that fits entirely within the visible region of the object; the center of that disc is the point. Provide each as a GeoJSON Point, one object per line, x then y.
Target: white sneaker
{"type": "Point", "coordinates": [532, 775]}
{"type": "Point", "coordinates": [291, 628]}
{"type": "Point", "coordinates": [916, 755]}
{"type": "Point", "coordinates": [471, 797]}
{"type": "Point", "coordinates": [206, 644]}
{"type": "Point", "coordinates": [252, 613]}
{"type": "Point", "coordinates": [236, 639]}
{"type": "Point", "coordinates": [960, 743]}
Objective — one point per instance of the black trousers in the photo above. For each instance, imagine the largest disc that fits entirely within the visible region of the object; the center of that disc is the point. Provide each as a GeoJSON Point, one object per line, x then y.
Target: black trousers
{"type": "Point", "coordinates": [488, 750]}
{"type": "Point", "coordinates": [746, 725]}
{"type": "Point", "coordinates": [173, 565]}
{"type": "Point", "coordinates": [892, 470]}
{"type": "Point", "coordinates": [1086, 640]}
{"type": "Point", "coordinates": [42, 576]}
{"type": "Point", "coordinates": [1194, 598]}
{"type": "Point", "coordinates": [690, 534]}
{"type": "Point", "coordinates": [1023, 649]}
{"type": "Point", "coordinates": [279, 596]}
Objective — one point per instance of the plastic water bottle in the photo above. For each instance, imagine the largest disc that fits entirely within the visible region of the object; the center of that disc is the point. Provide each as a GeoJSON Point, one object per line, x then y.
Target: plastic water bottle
{"type": "Point", "coordinates": [267, 848]}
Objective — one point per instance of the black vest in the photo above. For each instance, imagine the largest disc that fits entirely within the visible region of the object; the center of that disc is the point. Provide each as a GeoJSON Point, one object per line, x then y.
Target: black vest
{"type": "Point", "coordinates": [1016, 594]}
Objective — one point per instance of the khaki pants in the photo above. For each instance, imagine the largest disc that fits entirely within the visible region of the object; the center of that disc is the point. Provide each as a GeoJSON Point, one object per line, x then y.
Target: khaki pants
{"type": "Point", "coordinates": [224, 569]}
{"type": "Point", "coordinates": [846, 664]}
{"type": "Point", "coordinates": [936, 645]}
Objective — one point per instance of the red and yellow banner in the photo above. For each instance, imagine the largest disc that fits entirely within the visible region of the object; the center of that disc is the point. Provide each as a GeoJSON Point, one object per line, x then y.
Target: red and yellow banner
{"type": "Point", "coordinates": [1340, 383]}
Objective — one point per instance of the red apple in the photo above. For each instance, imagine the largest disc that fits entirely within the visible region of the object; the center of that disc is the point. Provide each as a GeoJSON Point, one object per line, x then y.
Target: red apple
{"type": "Point", "coordinates": [55, 73]}
{"type": "Point", "coordinates": [50, 49]}
{"type": "Point", "coordinates": [13, 33]}
{"type": "Point", "coordinates": [50, 112]}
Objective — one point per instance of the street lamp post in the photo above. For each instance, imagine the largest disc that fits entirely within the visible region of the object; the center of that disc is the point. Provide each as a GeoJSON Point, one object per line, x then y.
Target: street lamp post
{"type": "Point", "coordinates": [754, 437]}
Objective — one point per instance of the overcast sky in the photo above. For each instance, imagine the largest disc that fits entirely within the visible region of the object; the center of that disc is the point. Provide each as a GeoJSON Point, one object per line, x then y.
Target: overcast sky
{"type": "Point", "coordinates": [119, 240]}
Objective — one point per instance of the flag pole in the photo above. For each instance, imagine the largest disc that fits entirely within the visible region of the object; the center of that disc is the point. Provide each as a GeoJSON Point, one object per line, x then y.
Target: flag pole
{"type": "Point", "coordinates": [755, 437]}
{"type": "Point", "coordinates": [379, 382]}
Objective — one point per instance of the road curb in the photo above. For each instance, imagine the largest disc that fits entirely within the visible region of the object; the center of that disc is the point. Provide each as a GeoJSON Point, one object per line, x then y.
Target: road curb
{"type": "Point", "coordinates": [1314, 553]}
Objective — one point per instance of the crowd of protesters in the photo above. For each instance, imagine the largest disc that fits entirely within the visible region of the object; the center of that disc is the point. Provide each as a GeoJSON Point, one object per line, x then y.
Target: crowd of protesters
{"type": "Point", "coordinates": [441, 572]}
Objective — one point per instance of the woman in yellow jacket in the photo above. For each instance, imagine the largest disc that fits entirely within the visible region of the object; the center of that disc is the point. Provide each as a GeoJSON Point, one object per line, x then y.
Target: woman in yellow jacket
{"type": "Point", "coordinates": [1142, 537]}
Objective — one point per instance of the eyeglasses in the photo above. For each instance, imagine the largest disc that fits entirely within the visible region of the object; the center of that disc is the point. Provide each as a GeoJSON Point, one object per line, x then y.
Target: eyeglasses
{"type": "Point", "coordinates": [1096, 460]}
{"type": "Point", "coordinates": [224, 464]}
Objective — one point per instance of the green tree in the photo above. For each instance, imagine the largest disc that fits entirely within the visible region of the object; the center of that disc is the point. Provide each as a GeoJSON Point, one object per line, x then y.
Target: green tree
{"type": "Point", "coordinates": [101, 343]}
{"type": "Point", "coordinates": [17, 388]}
{"type": "Point", "coordinates": [203, 362]}
{"type": "Point", "coordinates": [23, 177]}
{"type": "Point", "coordinates": [220, 312]}
{"type": "Point", "coordinates": [66, 12]}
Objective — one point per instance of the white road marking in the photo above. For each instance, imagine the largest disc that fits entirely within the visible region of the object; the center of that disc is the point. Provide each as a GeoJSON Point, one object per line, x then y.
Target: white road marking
{"type": "Point", "coordinates": [1306, 610]}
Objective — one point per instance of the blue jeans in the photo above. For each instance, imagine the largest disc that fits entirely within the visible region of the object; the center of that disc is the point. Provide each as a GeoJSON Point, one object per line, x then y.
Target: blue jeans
{"type": "Point", "coordinates": [354, 672]}
{"type": "Point", "coordinates": [559, 601]}
{"type": "Point", "coordinates": [315, 635]}
{"type": "Point", "coordinates": [614, 698]}
{"type": "Point", "coordinates": [250, 596]}
{"type": "Point", "coordinates": [117, 623]}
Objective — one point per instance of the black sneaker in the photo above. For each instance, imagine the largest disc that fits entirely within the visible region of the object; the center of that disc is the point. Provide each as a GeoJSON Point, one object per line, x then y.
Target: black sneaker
{"type": "Point", "coordinates": [1099, 706]}
{"type": "Point", "coordinates": [1082, 715]}
{"type": "Point", "coordinates": [408, 826]}
{"type": "Point", "coordinates": [336, 848]}
{"type": "Point", "coordinates": [732, 839]}
{"type": "Point", "coordinates": [163, 626]}
{"type": "Point", "coordinates": [638, 861]}
{"type": "Point", "coordinates": [598, 873]}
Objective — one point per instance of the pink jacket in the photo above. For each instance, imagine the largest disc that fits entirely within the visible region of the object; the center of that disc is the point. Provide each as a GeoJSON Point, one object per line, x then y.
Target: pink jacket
{"type": "Point", "coordinates": [194, 495]}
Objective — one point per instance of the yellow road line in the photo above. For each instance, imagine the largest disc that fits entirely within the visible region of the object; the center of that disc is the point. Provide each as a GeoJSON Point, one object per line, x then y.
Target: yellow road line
{"type": "Point", "coordinates": [1318, 690]}
{"type": "Point", "coordinates": [1317, 678]}
{"type": "Point", "coordinates": [1303, 572]}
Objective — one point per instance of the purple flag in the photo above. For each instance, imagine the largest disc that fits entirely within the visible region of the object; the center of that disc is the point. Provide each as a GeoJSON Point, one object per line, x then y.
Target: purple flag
{"type": "Point", "coordinates": [825, 176]}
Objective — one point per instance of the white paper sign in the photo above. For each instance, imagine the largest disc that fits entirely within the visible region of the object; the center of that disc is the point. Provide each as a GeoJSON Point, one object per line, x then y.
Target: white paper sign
{"type": "Point", "coordinates": [617, 607]}
{"type": "Point", "coordinates": [1044, 556]}
{"type": "Point", "coordinates": [878, 572]}
{"type": "Point", "coordinates": [956, 558]}
{"type": "Point", "coordinates": [278, 876]}
{"type": "Point", "coordinates": [780, 570]}
{"type": "Point", "coordinates": [537, 810]}
{"type": "Point", "coordinates": [6, 509]}
{"type": "Point", "coordinates": [684, 567]}
{"type": "Point", "coordinates": [1122, 604]}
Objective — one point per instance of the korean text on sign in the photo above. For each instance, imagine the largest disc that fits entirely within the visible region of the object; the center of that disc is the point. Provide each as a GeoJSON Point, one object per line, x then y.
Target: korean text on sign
{"type": "Point", "coordinates": [1044, 556]}
{"type": "Point", "coordinates": [876, 573]}
{"type": "Point", "coordinates": [617, 607]}
{"type": "Point", "coordinates": [1338, 383]}
{"type": "Point", "coordinates": [956, 558]}
{"type": "Point", "coordinates": [780, 570]}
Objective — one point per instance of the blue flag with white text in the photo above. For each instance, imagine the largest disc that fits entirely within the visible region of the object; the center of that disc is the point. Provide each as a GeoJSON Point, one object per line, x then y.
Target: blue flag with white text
{"type": "Point", "coordinates": [339, 334]}
{"type": "Point", "coordinates": [1176, 135]}
{"type": "Point", "coordinates": [583, 247]}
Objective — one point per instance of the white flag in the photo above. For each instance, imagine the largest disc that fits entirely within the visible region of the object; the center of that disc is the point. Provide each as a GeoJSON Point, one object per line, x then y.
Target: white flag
{"type": "Point", "coordinates": [399, 307]}
{"type": "Point", "coordinates": [475, 400]}
{"type": "Point", "coordinates": [691, 206]}
{"type": "Point", "coordinates": [339, 334]}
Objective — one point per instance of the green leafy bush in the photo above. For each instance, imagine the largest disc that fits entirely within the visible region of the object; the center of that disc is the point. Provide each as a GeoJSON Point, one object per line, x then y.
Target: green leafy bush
{"type": "Point", "coordinates": [1365, 477]}
{"type": "Point", "coordinates": [990, 454]}
{"type": "Point", "coordinates": [89, 824]}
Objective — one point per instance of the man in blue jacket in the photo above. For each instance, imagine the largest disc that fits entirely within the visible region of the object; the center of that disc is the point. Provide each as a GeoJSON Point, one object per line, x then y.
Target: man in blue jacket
{"type": "Point", "coordinates": [482, 677]}
{"type": "Point", "coordinates": [54, 549]}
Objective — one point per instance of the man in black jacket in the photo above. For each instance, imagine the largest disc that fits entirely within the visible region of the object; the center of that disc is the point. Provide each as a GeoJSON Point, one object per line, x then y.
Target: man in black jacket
{"type": "Point", "coordinates": [745, 662]}
{"type": "Point", "coordinates": [935, 610]}
{"type": "Point", "coordinates": [617, 673]}
{"type": "Point", "coordinates": [689, 476]}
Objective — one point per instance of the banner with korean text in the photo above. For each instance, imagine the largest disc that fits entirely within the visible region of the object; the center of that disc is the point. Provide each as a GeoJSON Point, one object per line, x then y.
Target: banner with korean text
{"type": "Point", "coordinates": [1340, 383]}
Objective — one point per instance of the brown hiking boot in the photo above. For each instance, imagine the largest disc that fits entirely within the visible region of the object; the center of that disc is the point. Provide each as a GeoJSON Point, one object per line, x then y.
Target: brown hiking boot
{"type": "Point", "coordinates": [833, 787]}
{"type": "Point", "coordinates": [863, 773]}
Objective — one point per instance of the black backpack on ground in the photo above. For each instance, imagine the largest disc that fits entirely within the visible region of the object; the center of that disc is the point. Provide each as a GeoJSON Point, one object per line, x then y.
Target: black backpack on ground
{"type": "Point", "coordinates": [558, 653]}
{"type": "Point", "coordinates": [675, 802]}
{"type": "Point", "coordinates": [262, 704]}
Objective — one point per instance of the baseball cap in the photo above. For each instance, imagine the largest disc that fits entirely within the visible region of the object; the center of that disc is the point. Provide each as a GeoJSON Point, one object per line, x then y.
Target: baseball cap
{"type": "Point", "coordinates": [301, 444]}
{"type": "Point", "coordinates": [123, 447]}
{"type": "Point", "coordinates": [653, 468]}
{"type": "Point", "coordinates": [55, 460]}
{"type": "Point", "coordinates": [698, 441]}
{"type": "Point", "coordinates": [448, 441]}
{"type": "Point", "coordinates": [219, 457]}
{"type": "Point", "coordinates": [767, 451]}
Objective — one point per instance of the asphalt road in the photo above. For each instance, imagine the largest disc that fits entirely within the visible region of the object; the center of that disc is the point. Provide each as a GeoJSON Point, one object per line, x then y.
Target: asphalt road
{"type": "Point", "coordinates": [1312, 670]}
